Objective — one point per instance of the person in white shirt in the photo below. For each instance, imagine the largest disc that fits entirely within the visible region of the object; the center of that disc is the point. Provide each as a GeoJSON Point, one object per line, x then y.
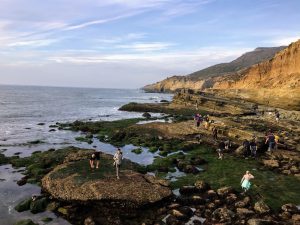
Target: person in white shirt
{"type": "Point", "coordinates": [117, 161]}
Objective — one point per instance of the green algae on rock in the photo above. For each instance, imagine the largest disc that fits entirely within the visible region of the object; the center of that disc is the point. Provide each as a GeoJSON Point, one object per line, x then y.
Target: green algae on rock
{"type": "Point", "coordinates": [74, 181]}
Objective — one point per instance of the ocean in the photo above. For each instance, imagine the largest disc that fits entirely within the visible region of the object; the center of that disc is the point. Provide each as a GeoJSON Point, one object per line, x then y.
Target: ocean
{"type": "Point", "coordinates": [26, 112]}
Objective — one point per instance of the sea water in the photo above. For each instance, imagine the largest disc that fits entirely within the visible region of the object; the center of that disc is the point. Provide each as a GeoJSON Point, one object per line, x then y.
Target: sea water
{"type": "Point", "coordinates": [26, 112]}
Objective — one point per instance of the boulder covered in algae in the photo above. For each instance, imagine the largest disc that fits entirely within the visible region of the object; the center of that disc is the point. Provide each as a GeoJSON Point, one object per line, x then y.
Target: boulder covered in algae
{"type": "Point", "coordinates": [74, 181]}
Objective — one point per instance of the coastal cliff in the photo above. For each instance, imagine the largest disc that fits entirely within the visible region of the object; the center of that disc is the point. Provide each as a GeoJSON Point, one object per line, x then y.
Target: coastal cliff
{"type": "Point", "coordinates": [273, 82]}
{"type": "Point", "coordinates": [202, 79]}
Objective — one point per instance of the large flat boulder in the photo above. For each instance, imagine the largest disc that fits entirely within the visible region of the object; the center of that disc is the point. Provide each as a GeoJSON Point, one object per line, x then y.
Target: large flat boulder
{"type": "Point", "coordinates": [75, 181]}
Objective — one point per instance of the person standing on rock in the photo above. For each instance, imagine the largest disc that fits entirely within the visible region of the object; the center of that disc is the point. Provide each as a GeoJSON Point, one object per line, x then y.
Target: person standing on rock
{"type": "Point", "coordinates": [215, 133]}
{"type": "Point", "coordinates": [276, 141]}
{"type": "Point", "coordinates": [277, 115]}
{"type": "Point", "coordinates": [246, 146]}
{"type": "Point", "coordinates": [198, 119]}
{"type": "Point", "coordinates": [253, 148]}
{"type": "Point", "coordinates": [206, 119]}
{"type": "Point", "coordinates": [270, 140]}
{"type": "Point", "coordinates": [117, 161]}
{"type": "Point", "coordinates": [221, 150]}
{"type": "Point", "coordinates": [245, 182]}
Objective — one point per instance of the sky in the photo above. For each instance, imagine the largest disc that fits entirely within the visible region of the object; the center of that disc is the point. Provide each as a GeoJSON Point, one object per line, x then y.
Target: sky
{"type": "Point", "coordinates": [131, 43]}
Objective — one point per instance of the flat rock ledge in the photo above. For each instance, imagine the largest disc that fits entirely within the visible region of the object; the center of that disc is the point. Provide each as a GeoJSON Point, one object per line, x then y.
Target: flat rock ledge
{"type": "Point", "coordinates": [133, 189]}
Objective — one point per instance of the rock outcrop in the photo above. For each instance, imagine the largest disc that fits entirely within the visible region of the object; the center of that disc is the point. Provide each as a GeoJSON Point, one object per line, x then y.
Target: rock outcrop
{"type": "Point", "coordinates": [203, 78]}
{"type": "Point", "coordinates": [73, 181]}
{"type": "Point", "coordinates": [273, 82]}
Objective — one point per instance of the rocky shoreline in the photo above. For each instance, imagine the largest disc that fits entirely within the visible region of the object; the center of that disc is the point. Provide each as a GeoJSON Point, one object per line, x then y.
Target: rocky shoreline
{"type": "Point", "coordinates": [196, 204]}
{"type": "Point", "coordinates": [184, 160]}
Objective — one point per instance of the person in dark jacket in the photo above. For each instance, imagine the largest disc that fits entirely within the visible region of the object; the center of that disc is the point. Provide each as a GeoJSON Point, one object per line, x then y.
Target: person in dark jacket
{"type": "Point", "coordinates": [246, 147]}
{"type": "Point", "coordinates": [221, 150]}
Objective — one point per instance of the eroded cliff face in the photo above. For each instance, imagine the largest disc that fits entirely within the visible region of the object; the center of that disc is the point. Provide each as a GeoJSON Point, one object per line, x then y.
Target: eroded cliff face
{"type": "Point", "coordinates": [202, 79]}
{"type": "Point", "coordinates": [176, 83]}
{"type": "Point", "coordinates": [275, 82]}
{"type": "Point", "coordinates": [282, 71]}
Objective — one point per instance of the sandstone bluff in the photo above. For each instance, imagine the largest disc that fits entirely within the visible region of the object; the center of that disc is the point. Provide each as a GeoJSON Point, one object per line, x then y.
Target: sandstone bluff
{"type": "Point", "coordinates": [274, 82]}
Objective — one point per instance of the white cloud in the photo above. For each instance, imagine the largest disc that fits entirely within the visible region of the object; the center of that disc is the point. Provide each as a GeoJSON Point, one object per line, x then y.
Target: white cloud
{"type": "Point", "coordinates": [33, 43]}
{"type": "Point", "coordinates": [285, 40]}
{"type": "Point", "coordinates": [145, 47]}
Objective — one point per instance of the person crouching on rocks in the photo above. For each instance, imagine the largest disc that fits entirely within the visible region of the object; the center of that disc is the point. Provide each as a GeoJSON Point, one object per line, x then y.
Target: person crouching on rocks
{"type": "Point", "coordinates": [95, 158]}
{"type": "Point", "coordinates": [117, 161]}
{"type": "Point", "coordinates": [245, 182]}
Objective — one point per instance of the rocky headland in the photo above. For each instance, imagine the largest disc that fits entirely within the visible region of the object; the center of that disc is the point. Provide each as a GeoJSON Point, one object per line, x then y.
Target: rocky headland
{"type": "Point", "coordinates": [272, 80]}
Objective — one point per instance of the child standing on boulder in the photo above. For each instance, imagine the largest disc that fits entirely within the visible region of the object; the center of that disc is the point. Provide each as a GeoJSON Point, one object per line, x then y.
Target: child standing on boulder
{"type": "Point", "coordinates": [245, 182]}
{"type": "Point", "coordinates": [117, 161]}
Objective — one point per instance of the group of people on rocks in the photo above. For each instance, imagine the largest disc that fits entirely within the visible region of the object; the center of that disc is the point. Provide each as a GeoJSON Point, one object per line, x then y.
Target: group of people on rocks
{"type": "Point", "coordinates": [199, 119]}
{"type": "Point", "coordinates": [250, 148]}
{"type": "Point", "coordinates": [117, 160]}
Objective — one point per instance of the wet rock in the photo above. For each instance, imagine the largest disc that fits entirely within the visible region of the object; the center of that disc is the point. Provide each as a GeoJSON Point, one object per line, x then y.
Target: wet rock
{"type": "Point", "coordinates": [154, 180]}
{"type": "Point", "coordinates": [23, 205]}
{"type": "Point", "coordinates": [218, 202]}
{"type": "Point", "coordinates": [296, 218]}
{"type": "Point", "coordinates": [286, 172]}
{"type": "Point", "coordinates": [211, 205]}
{"type": "Point", "coordinates": [146, 115]}
{"type": "Point", "coordinates": [243, 203]}
{"type": "Point", "coordinates": [244, 213]}
{"type": "Point", "coordinates": [271, 163]}
{"type": "Point", "coordinates": [52, 130]}
{"type": "Point", "coordinates": [211, 194]}
{"type": "Point", "coordinates": [291, 208]}
{"type": "Point", "coordinates": [25, 222]}
{"type": "Point", "coordinates": [52, 206]}
{"type": "Point", "coordinates": [231, 198]}
{"type": "Point", "coordinates": [207, 213]}
{"type": "Point", "coordinates": [63, 210]}
{"type": "Point", "coordinates": [191, 200]}
{"type": "Point", "coordinates": [187, 190]}
{"type": "Point", "coordinates": [260, 222]}
{"type": "Point", "coordinates": [174, 206]}
{"type": "Point", "coordinates": [224, 191]}
{"type": "Point", "coordinates": [136, 190]}
{"type": "Point", "coordinates": [41, 124]}
{"type": "Point", "coordinates": [39, 205]}
{"type": "Point", "coordinates": [47, 219]}
{"type": "Point", "coordinates": [198, 160]}
{"type": "Point", "coordinates": [285, 215]}
{"type": "Point", "coordinates": [22, 181]}
{"type": "Point", "coordinates": [294, 169]}
{"type": "Point", "coordinates": [261, 207]}
{"type": "Point", "coordinates": [89, 221]}
{"type": "Point", "coordinates": [202, 186]}
{"type": "Point", "coordinates": [223, 215]}
{"type": "Point", "coordinates": [239, 150]}
{"type": "Point", "coordinates": [191, 169]}
{"type": "Point", "coordinates": [172, 220]}
{"type": "Point", "coordinates": [182, 213]}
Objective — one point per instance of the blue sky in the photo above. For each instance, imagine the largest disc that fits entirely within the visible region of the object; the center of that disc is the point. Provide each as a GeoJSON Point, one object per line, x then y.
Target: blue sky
{"type": "Point", "coordinates": [130, 43]}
